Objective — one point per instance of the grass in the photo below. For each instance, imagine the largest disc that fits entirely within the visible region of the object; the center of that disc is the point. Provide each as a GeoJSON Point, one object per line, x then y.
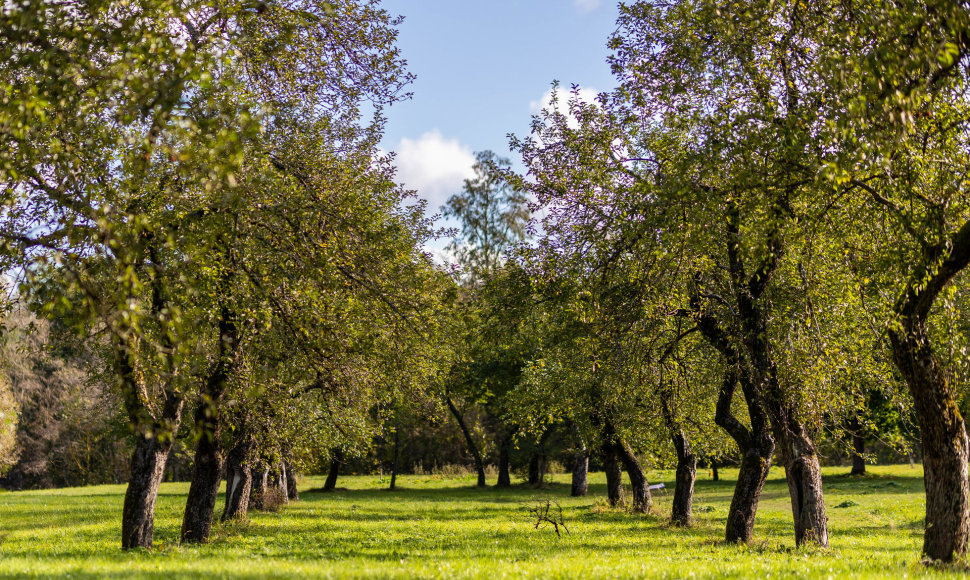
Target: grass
{"type": "Point", "coordinates": [445, 528]}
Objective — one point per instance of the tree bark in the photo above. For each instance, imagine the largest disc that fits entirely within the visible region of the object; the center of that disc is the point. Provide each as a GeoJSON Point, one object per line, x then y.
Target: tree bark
{"type": "Point", "coordinates": [147, 470]}
{"type": "Point", "coordinates": [281, 481]}
{"type": "Point", "coordinates": [614, 473]}
{"type": "Point", "coordinates": [207, 473]}
{"type": "Point", "coordinates": [642, 501]}
{"type": "Point", "coordinates": [397, 454]}
{"type": "Point", "coordinates": [537, 463]}
{"type": "Point", "coordinates": [239, 482]}
{"type": "Point", "coordinates": [201, 503]}
{"type": "Point", "coordinates": [472, 446]}
{"type": "Point", "coordinates": [714, 474]}
{"type": "Point", "coordinates": [504, 475]}
{"type": "Point", "coordinates": [580, 483]}
{"type": "Point", "coordinates": [756, 445]}
{"type": "Point", "coordinates": [858, 447]}
{"type": "Point", "coordinates": [260, 490]}
{"type": "Point", "coordinates": [944, 442]}
{"type": "Point", "coordinates": [682, 510]}
{"type": "Point", "coordinates": [292, 493]}
{"type": "Point", "coordinates": [338, 458]}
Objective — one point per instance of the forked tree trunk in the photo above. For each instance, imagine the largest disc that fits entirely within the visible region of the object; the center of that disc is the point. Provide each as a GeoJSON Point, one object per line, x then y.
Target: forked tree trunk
{"type": "Point", "coordinates": [756, 445]}
{"type": "Point", "coordinates": [147, 469]}
{"type": "Point", "coordinates": [640, 487]}
{"type": "Point", "coordinates": [614, 473]}
{"type": "Point", "coordinates": [338, 459]}
{"type": "Point", "coordinates": [472, 446]}
{"type": "Point", "coordinates": [944, 440]}
{"type": "Point", "coordinates": [580, 483]}
{"type": "Point", "coordinates": [239, 483]}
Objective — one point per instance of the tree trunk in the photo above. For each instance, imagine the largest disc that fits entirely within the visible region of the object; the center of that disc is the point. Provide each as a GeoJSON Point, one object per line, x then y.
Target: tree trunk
{"type": "Point", "coordinates": [281, 481]}
{"type": "Point", "coordinates": [147, 470]}
{"type": "Point", "coordinates": [239, 483]}
{"type": "Point", "coordinates": [756, 445]}
{"type": "Point", "coordinates": [858, 447]}
{"type": "Point", "coordinates": [338, 458]}
{"type": "Point", "coordinates": [580, 472]}
{"type": "Point", "coordinates": [614, 473]}
{"type": "Point", "coordinates": [292, 493]}
{"type": "Point", "coordinates": [207, 473]}
{"type": "Point", "coordinates": [682, 510]}
{"type": "Point", "coordinates": [504, 477]}
{"type": "Point", "coordinates": [714, 474]}
{"type": "Point", "coordinates": [397, 454]}
{"type": "Point", "coordinates": [642, 502]}
{"type": "Point", "coordinates": [201, 503]}
{"type": "Point", "coordinates": [944, 441]}
{"type": "Point", "coordinates": [753, 472]}
{"type": "Point", "coordinates": [472, 447]}
{"type": "Point", "coordinates": [260, 490]}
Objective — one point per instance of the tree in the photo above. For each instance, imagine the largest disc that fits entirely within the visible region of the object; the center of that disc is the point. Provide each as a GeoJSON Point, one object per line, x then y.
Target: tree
{"type": "Point", "coordinates": [147, 100]}
{"type": "Point", "coordinates": [493, 216]}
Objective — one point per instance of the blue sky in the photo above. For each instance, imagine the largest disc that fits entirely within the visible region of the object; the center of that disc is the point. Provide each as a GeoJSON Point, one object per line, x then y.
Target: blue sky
{"type": "Point", "coordinates": [483, 68]}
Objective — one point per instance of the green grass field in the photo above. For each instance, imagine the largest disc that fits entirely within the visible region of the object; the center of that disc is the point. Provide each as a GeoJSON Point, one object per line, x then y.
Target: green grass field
{"type": "Point", "coordinates": [444, 527]}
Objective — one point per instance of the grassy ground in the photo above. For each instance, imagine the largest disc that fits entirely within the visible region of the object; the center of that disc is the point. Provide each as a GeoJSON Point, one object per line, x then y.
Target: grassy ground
{"type": "Point", "coordinates": [444, 527]}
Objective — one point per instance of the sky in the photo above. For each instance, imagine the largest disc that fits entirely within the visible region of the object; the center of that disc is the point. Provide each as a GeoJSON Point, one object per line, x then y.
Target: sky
{"type": "Point", "coordinates": [483, 68]}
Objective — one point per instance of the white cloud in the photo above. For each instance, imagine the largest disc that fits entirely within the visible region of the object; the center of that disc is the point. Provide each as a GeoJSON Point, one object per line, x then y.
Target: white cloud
{"type": "Point", "coordinates": [586, 6]}
{"type": "Point", "coordinates": [434, 166]}
{"type": "Point", "coordinates": [563, 96]}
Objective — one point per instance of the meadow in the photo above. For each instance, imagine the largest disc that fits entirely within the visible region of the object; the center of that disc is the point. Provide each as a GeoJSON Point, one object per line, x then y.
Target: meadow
{"type": "Point", "coordinates": [443, 527]}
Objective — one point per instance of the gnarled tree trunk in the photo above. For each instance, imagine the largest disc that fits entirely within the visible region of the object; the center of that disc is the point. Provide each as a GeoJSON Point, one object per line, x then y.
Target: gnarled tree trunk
{"type": "Point", "coordinates": [944, 441]}
{"type": "Point", "coordinates": [147, 470]}
{"type": "Point", "coordinates": [207, 474]}
{"type": "Point", "coordinates": [804, 475]}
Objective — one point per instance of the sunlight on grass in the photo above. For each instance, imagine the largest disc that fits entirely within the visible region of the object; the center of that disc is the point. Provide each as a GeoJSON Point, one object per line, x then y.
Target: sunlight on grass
{"type": "Point", "coordinates": [445, 527]}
